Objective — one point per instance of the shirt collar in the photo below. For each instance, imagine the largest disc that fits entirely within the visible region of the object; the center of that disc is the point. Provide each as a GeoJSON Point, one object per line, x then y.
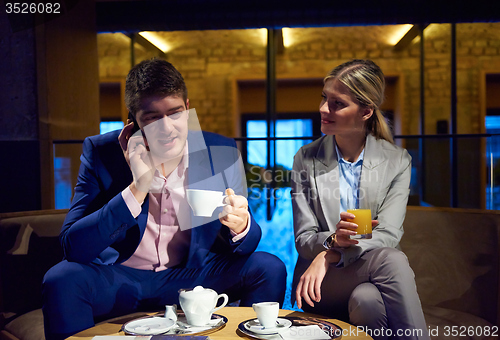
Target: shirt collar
{"type": "Point", "coordinates": [342, 160]}
{"type": "Point", "coordinates": [181, 168]}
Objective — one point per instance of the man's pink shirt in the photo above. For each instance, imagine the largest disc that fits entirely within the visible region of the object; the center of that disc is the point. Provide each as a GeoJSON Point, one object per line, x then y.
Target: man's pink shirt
{"type": "Point", "coordinates": [164, 244]}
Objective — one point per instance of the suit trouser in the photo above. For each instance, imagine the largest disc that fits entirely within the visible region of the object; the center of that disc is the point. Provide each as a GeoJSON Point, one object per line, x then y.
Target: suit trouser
{"type": "Point", "coordinates": [74, 294]}
{"type": "Point", "coordinates": [376, 293]}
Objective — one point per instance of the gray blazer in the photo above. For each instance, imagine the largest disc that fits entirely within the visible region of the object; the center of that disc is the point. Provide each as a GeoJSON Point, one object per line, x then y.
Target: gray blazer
{"type": "Point", "coordinates": [384, 188]}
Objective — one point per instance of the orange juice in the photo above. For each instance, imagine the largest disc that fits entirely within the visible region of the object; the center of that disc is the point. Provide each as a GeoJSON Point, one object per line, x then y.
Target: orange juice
{"type": "Point", "coordinates": [364, 221]}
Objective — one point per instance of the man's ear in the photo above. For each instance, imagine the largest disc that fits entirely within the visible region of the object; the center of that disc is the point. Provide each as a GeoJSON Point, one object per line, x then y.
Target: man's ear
{"type": "Point", "coordinates": [367, 113]}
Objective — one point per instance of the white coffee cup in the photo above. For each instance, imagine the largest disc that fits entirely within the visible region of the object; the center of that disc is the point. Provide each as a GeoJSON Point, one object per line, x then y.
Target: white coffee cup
{"type": "Point", "coordinates": [199, 303]}
{"type": "Point", "coordinates": [267, 313]}
{"type": "Point", "coordinates": [204, 202]}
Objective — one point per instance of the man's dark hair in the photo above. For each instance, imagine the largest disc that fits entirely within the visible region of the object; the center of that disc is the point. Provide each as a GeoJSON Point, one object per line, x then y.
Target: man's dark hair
{"type": "Point", "coordinates": [152, 77]}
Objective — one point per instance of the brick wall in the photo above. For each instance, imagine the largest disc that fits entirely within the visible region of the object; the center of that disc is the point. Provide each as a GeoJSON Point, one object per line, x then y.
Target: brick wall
{"type": "Point", "coordinates": [211, 60]}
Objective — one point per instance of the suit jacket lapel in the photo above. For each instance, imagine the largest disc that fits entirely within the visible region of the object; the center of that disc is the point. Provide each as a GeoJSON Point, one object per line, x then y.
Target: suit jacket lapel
{"type": "Point", "coordinates": [326, 175]}
{"type": "Point", "coordinates": [199, 160]}
{"type": "Point", "coordinates": [372, 174]}
{"type": "Point", "coordinates": [200, 177]}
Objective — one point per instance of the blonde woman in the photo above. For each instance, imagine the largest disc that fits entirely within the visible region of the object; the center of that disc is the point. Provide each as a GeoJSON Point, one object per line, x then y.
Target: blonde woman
{"type": "Point", "coordinates": [367, 282]}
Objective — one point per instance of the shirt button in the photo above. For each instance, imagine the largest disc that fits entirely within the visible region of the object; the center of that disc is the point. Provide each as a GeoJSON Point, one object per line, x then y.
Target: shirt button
{"type": "Point", "coordinates": [165, 210]}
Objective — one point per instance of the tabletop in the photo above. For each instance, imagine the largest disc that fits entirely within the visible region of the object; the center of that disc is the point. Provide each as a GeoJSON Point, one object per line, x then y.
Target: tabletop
{"type": "Point", "coordinates": [235, 316]}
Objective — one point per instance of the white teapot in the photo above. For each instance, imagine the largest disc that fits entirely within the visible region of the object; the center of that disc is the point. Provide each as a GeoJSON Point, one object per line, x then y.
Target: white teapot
{"type": "Point", "coordinates": [199, 303]}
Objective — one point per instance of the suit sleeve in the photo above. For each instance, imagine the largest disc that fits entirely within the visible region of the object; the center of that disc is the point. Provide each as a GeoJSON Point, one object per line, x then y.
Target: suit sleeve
{"type": "Point", "coordinates": [94, 222]}
{"type": "Point", "coordinates": [390, 213]}
{"type": "Point", "coordinates": [309, 236]}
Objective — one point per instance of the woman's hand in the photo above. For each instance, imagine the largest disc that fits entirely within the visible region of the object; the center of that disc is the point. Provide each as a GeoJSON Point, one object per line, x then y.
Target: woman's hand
{"type": "Point", "coordinates": [345, 229]}
{"type": "Point", "coordinates": [309, 286]}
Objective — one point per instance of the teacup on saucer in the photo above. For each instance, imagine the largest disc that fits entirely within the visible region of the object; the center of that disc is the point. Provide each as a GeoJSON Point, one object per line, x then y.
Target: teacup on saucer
{"type": "Point", "coordinates": [267, 313]}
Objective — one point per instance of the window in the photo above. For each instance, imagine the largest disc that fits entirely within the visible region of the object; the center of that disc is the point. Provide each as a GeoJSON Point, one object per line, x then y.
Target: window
{"type": "Point", "coordinates": [272, 206]}
{"type": "Point", "coordinates": [107, 126]}
{"type": "Point", "coordinates": [492, 121]}
{"type": "Point", "coordinates": [287, 126]}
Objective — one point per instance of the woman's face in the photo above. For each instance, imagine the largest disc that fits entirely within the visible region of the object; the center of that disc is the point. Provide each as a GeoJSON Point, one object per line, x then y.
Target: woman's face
{"type": "Point", "coordinates": [341, 114]}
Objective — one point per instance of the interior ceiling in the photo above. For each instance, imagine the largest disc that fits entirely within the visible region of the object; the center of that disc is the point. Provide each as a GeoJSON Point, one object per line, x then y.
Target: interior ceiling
{"type": "Point", "coordinates": [180, 15]}
{"type": "Point", "coordinates": [219, 38]}
{"type": "Point", "coordinates": [383, 36]}
{"type": "Point", "coordinates": [377, 34]}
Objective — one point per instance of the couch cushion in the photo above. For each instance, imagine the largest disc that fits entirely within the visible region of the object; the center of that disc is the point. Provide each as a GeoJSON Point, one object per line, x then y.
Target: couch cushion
{"type": "Point", "coordinates": [454, 254]}
{"type": "Point", "coordinates": [28, 326]}
{"type": "Point", "coordinates": [29, 246]}
{"type": "Point", "coordinates": [448, 324]}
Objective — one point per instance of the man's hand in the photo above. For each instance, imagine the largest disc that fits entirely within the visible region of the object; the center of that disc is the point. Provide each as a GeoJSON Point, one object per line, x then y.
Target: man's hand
{"type": "Point", "coordinates": [123, 138]}
{"type": "Point", "coordinates": [235, 213]}
{"type": "Point", "coordinates": [138, 159]}
{"type": "Point", "coordinates": [309, 286]}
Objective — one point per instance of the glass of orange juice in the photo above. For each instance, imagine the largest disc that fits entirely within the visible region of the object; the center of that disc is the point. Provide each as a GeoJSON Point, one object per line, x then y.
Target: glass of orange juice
{"type": "Point", "coordinates": [363, 218]}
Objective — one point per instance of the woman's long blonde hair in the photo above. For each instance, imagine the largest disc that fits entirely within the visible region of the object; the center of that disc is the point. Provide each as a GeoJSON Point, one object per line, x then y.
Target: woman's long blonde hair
{"type": "Point", "coordinates": [366, 82]}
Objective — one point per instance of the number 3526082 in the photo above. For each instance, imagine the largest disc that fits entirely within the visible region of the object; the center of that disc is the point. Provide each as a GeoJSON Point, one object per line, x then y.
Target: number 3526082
{"type": "Point", "coordinates": [470, 331]}
{"type": "Point", "coordinates": [33, 8]}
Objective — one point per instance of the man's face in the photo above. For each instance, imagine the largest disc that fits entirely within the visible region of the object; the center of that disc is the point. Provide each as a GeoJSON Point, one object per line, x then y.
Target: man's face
{"type": "Point", "coordinates": [164, 121]}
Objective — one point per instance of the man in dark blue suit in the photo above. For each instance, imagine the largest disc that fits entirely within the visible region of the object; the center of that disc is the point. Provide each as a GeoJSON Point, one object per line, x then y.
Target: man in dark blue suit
{"type": "Point", "coordinates": [131, 240]}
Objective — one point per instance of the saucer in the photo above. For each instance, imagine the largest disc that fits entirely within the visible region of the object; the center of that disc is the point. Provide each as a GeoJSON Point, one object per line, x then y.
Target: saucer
{"type": "Point", "coordinates": [149, 326]}
{"type": "Point", "coordinates": [180, 327]}
{"type": "Point", "coordinates": [255, 327]}
{"type": "Point", "coordinates": [334, 331]}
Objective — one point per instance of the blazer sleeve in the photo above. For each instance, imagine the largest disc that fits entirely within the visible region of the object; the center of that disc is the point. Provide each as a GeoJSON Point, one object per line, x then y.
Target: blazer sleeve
{"type": "Point", "coordinates": [94, 221]}
{"type": "Point", "coordinates": [391, 211]}
{"type": "Point", "coordinates": [249, 243]}
{"type": "Point", "coordinates": [309, 234]}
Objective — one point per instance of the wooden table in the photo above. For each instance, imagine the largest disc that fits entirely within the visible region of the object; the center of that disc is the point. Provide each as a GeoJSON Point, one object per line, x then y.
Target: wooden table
{"type": "Point", "coordinates": [235, 316]}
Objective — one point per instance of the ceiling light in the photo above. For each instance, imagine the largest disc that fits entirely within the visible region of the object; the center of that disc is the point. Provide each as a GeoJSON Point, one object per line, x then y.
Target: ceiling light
{"type": "Point", "coordinates": [263, 35]}
{"type": "Point", "coordinates": [155, 39]}
{"type": "Point", "coordinates": [287, 37]}
{"type": "Point", "coordinates": [399, 33]}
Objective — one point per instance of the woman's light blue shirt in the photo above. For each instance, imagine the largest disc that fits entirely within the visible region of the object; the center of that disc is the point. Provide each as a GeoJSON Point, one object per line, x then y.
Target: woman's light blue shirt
{"type": "Point", "coordinates": [349, 177]}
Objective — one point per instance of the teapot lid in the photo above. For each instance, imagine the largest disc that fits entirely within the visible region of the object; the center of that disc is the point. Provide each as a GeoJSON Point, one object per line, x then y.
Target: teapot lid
{"type": "Point", "coordinates": [198, 290]}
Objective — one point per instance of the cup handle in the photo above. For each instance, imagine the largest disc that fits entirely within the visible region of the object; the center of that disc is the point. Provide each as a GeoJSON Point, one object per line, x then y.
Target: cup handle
{"type": "Point", "coordinates": [222, 204]}
{"type": "Point", "coordinates": [226, 299]}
